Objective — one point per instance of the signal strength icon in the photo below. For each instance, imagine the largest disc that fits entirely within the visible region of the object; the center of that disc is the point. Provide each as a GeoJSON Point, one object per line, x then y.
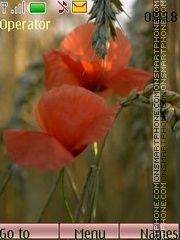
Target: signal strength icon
{"type": "Point", "coordinates": [4, 5]}
{"type": "Point", "coordinates": [19, 9]}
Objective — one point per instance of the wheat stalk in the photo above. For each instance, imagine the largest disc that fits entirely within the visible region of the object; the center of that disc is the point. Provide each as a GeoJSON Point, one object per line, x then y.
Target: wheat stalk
{"type": "Point", "coordinates": [104, 12]}
{"type": "Point", "coordinates": [169, 102]}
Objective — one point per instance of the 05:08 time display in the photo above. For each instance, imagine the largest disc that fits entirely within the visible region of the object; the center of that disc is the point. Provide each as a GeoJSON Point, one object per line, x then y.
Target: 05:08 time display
{"type": "Point", "coordinates": [160, 16]}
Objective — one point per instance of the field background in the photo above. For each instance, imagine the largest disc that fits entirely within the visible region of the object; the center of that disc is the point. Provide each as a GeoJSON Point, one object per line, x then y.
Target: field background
{"type": "Point", "coordinates": [125, 182]}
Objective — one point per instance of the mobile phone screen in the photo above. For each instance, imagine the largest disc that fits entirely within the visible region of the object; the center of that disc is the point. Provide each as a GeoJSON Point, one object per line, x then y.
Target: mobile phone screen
{"type": "Point", "coordinates": [89, 119]}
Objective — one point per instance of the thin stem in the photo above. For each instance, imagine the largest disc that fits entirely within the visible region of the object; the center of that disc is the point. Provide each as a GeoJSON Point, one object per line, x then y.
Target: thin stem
{"type": "Point", "coordinates": [73, 187]}
{"type": "Point", "coordinates": [98, 157]}
{"type": "Point", "coordinates": [72, 183]}
{"type": "Point", "coordinates": [143, 105]}
{"type": "Point", "coordinates": [95, 200]}
{"type": "Point", "coordinates": [6, 179]}
{"type": "Point", "coordinates": [86, 187]}
{"type": "Point", "coordinates": [64, 195]}
{"type": "Point", "coordinates": [95, 148]}
{"type": "Point", "coordinates": [49, 197]}
{"type": "Point", "coordinates": [90, 203]}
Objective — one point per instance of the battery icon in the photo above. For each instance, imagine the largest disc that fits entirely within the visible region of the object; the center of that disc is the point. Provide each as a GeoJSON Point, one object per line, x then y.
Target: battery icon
{"type": "Point", "coordinates": [37, 7]}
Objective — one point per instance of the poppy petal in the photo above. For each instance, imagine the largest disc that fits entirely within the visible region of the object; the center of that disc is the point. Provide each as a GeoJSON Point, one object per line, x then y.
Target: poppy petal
{"type": "Point", "coordinates": [57, 72]}
{"type": "Point", "coordinates": [98, 128]}
{"type": "Point", "coordinates": [128, 79]}
{"type": "Point", "coordinates": [36, 149]}
{"type": "Point", "coordinates": [89, 73]}
{"type": "Point", "coordinates": [118, 55]}
{"type": "Point", "coordinates": [78, 42]}
{"type": "Point", "coordinates": [79, 55]}
{"type": "Point", "coordinates": [68, 112]}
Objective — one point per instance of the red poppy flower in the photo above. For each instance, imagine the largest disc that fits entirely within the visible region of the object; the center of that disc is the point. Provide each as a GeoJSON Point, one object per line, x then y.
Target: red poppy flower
{"type": "Point", "coordinates": [76, 63]}
{"type": "Point", "coordinates": [70, 118]}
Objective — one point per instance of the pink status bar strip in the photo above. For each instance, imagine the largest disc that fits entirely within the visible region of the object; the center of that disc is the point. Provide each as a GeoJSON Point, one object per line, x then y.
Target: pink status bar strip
{"type": "Point", "coordinates": [89, 231]}
{"type": "Point", "coordinates": [29, 231]}
{"type": "Point", "coordinates": [149, 231]}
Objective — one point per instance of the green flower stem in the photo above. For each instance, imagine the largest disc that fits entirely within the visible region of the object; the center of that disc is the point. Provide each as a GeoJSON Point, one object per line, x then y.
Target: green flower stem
{"type": "Point", "coordinates": [64, 195]}
{"type": "Point", "coordinates": [91, 197]}
{"type": "Point", "coordinates": [6, 179]}
{"type": "Point", "coordinates": [73, 187]}
{"type": "Point", "coordinates": [87, 186]}
{"type": "Point", "coordinates": [98, 156]}
{"type": "Point", "coordinates": [72, 183]}
{"type": "Point", "coordinates": [49, 197]}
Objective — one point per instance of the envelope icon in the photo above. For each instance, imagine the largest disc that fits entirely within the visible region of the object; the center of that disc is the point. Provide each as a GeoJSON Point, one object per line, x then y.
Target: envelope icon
{"type": "Point", "coordinates": [79, 6]}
